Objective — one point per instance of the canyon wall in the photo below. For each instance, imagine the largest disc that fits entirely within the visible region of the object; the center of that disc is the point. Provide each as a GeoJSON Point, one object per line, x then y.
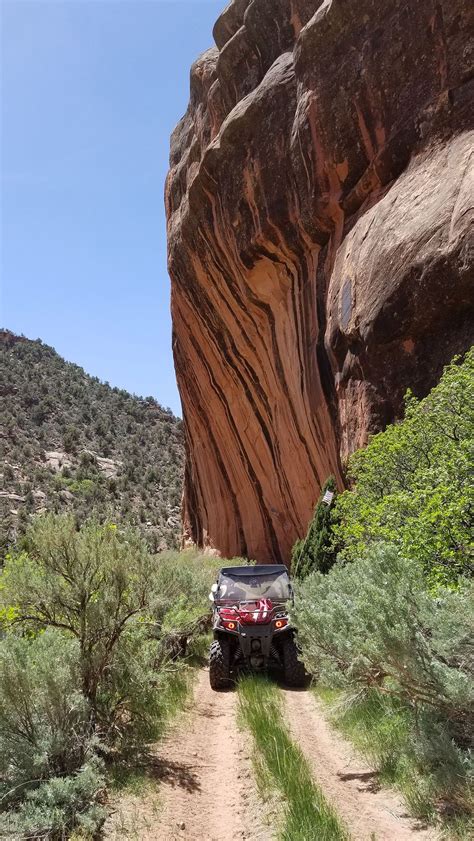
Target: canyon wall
{"type": "Point", "coordinates": [319, 207]}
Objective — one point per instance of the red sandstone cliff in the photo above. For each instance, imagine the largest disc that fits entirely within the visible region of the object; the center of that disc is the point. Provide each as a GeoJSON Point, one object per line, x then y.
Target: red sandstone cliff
{"type": "Point", "coordinates": [319, 204]}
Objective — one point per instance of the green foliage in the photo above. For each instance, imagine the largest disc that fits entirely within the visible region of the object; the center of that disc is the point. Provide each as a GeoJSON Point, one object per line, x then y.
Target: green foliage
{"type": "Point", "coordinates": [58, 806]}
{"type": "Point", "coordinates": [52, 406]}
{"type": "Point", "coordinates": [416, 755]}
{"type": "Point", "coordinates": [390, 625]}
{"type": "Point", "coordinates": [93, 584]}
{"type": "Point", "coordinates": [373, 623]}
{"type": "Point", "coordinates": [372, 626]}
{"type": "Point", "coordinates": [183, 581]}
{"type": "Point", "coordinates": [316, 551]}
{"type": "Point", "coordinates": [412, 485]}
{"type": "Point", "coordinates": [308, 817]}
{"type": "Point", "coordinates": [93, 627]}
{"type": "Point", "coordinates": [49, 774]}
{"type": "Point", "coordinates": [44, 719]}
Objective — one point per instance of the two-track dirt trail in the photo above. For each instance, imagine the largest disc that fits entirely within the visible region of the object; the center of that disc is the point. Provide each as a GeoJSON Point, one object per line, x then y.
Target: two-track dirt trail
{"type": "Point", "coordinates": [206, 787]}
{"type": "Point", "coordinates": [368, 810]}
{"type": "Point", "coordinates": [215, 799]}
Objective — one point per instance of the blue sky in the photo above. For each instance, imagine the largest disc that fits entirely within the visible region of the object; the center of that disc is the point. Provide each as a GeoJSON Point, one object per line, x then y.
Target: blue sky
{"type": "Point", "coordinates": [91, 90]}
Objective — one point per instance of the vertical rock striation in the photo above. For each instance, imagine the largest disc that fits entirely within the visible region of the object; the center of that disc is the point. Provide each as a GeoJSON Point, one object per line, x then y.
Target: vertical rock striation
{"type": "Point", "coordinates": [319, 205]}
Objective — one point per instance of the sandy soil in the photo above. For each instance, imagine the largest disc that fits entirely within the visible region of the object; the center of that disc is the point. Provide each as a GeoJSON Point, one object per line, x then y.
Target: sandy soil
{"type": "Point", "coordinates": [217, 801]}
{"type": "Point", "coordinates": [201, 785]}
{"type": "Point", "coordinates": [206, 788]}
{"type": "Point", "coordinates": [369, 811]}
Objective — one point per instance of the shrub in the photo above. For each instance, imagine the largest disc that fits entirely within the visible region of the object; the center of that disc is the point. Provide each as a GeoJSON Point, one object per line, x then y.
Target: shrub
{"type": "Point", "coordinates": [412, 485]}
{"type": "Point", "coordinates": [92, 584]}
{"type": "Point", "coordinates": [91, 623]}
{"type": "Point", "coordinates": [58, 806]}
{"type": "Point", "coordinates": [316, 551]}
{"type": "Point", "coordinates": [44, 721]}
{"type": "Point", "coordinates": [49, 774]}
{"type": "Point", "coordinates": [371, 628]}
{"type": "Point", "coordinates": [71, 439]}
{"type": "Point", "coordinates": [372, 623]}
{"type": "Point", "coordinates": [183, 581]}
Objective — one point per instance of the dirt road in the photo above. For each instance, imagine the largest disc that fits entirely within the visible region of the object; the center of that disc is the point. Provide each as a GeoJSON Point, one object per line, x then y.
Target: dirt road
{"type": "Point", "coordinates": [347, 782]}
{"type": "Point", "coordinates": [205, 789]}
{"type": "Point", "coordinates": [215, 798]}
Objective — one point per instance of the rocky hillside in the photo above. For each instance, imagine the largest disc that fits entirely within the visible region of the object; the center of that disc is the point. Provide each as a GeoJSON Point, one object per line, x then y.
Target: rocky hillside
{"type": "Point", "coordinates": [319, 204]}
{"type": "Point", "coordinates": [71, 442]}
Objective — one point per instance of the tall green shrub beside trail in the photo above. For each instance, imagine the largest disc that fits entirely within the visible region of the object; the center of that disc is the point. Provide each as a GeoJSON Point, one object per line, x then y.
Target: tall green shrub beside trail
{"type": "Point", "coordinates": [316, 552]}
{"type": "Point", "coordinates": [95, 585]}
{"type": "Point", "coordinates": [89, 620]}
{"type": "Point", "coordinates": [413, 484]}
{"type": "Point", "coordinates": [50, 774]}
{"type": "Point", "coordinates": [374, 624]}
{"type": "Point", "coordinates": [402, 663]}
{"type": "Point", "coordinates": [390, 626]}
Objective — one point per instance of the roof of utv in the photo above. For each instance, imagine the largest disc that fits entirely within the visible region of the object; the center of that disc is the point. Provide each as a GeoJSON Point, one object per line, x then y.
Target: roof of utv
{"type": "Point", "coordinates": [252, 571]}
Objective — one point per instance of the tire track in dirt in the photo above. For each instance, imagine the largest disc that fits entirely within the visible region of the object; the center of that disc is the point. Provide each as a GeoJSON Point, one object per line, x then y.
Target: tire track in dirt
{"type": "Point", "coordinates": [216, 798]}
{"type": "Point", "coordinates": [371, 813]}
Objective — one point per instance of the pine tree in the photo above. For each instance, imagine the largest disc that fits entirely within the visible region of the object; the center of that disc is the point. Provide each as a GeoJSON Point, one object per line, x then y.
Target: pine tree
{"type": "Point", "coordinates": [315, 551]}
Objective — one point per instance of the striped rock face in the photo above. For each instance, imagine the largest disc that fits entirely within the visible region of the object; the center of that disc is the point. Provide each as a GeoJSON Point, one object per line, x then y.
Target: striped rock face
{"type": "Point", "coordinates": [319, 203]}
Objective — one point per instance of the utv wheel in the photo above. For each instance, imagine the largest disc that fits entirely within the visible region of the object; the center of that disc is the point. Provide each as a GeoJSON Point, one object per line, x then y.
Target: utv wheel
{"type": "Point", "coordinates": [219, 665]}
{"type": "Point", "coordinates": [293, 669]}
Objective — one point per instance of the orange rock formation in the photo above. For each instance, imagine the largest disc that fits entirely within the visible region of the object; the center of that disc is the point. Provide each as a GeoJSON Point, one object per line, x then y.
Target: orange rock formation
{"type": "Point", "coordinates": [319, 204]}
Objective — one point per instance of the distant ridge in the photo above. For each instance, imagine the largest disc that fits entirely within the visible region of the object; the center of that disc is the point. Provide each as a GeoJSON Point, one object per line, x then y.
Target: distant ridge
{"type": "Point", "coordinates": [69, 442]}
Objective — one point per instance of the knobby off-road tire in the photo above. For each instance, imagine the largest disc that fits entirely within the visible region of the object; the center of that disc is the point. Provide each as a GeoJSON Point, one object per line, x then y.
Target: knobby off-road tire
{"type": "Point", "coordinates": [293, 669]}
{"type": "Point", "coordinates": [219, 665]}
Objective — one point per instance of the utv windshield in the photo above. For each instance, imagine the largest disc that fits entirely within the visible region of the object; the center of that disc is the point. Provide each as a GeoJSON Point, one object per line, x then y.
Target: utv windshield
{"type": "Point", "coordinates": [245, 588]}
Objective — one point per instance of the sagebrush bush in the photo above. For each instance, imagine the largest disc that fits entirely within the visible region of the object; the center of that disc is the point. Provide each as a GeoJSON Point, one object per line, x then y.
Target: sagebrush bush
{"type": "Point", "coordinates": [85, 664]}
{"type": "Point", "coordinates": [49, 772]}
{"type": "Point", "coordinates": [372, 629]}
{"type": "Point", "coordinates": [182, 584]}
{"type": "Point", "coordinates": [373, 623]}
{"type": "Point", "coordinates": [91, 584]}
{"type": "Point", "coordinates": [44, 717]}
{"type": "Point", "coordinates": [59, 805]}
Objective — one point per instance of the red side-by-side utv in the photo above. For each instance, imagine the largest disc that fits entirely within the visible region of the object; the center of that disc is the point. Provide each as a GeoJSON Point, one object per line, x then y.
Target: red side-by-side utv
{"type": "Point", "coordinates": [251, 626]}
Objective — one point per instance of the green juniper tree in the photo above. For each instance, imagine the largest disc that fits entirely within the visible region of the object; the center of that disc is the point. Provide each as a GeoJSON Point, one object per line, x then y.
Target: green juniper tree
{"type": "Point", "coordinates": [316, 551]}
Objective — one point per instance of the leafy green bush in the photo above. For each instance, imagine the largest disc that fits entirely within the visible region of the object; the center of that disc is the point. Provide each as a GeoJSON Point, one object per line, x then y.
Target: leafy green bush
{"type": "Point", "coordinates": [412, 485]}
{"type": "Point", "coordinates": [316, 551]}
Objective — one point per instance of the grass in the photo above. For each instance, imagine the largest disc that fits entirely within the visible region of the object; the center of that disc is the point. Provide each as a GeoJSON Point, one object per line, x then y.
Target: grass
{"type": "Point", "coordinates": [421, 762]}
{"type": "Point", "coordinates": [280, 764]}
